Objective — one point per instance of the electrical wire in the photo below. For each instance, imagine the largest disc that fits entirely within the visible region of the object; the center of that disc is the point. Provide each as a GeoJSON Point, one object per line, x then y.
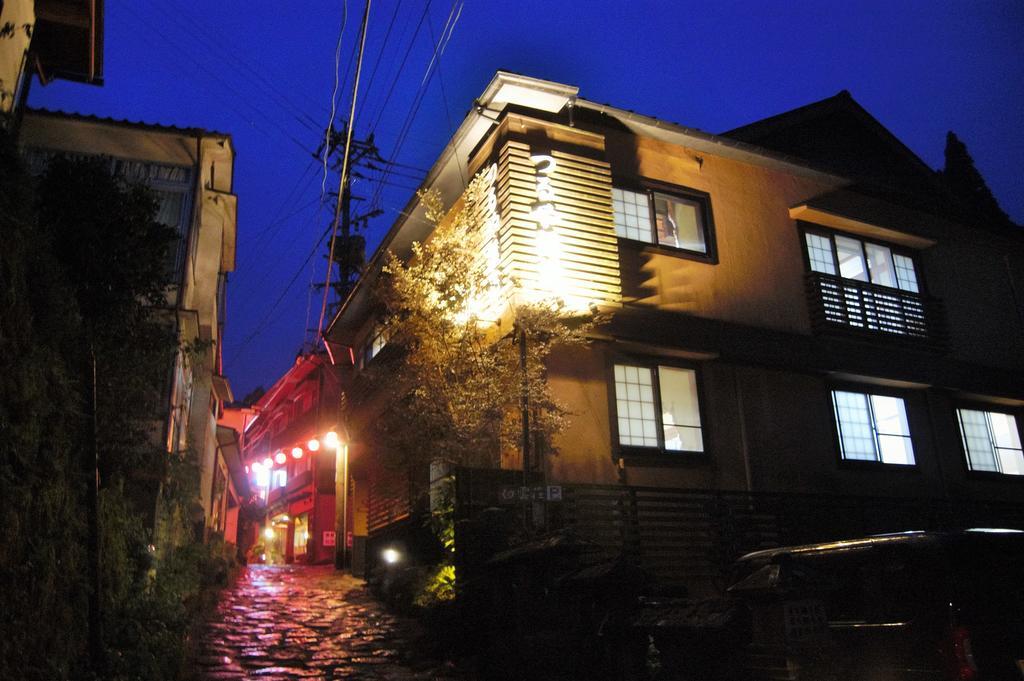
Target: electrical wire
{"type": "Point", "coordinates": [380, 54]}
{"type": "Point", "coordinates": [264, 235]}
{"type": "Point", "coordinates": [444, 100]}
{"type": "Point", "coordinates": [209, 41]}
{"type": "Point", "coordinates": [344, 166]}
{"type": "Point", "coordinates": [227, 86]}
{"type": "Point", "coordinates": [401, 67]}
{"type": "Point", "coordinates": [439, 46]}
{"type": "Point", "coordinates": [329, 128]}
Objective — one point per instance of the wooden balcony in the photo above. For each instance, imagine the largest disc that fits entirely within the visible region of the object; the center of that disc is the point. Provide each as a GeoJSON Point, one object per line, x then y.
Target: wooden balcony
{"type": "Point", "coordinates": [857, 308]}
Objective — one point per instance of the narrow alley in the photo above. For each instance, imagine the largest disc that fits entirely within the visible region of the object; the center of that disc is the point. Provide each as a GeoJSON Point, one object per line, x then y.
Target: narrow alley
{"type": "Point", "coordinates": [298, 622]}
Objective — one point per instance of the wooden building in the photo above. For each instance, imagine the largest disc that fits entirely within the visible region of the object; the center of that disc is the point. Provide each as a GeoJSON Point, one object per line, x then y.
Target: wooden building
{"type": "Point", "coordinates": [291, 464]}
{"type": "Point", "coordinates": [797, 307]}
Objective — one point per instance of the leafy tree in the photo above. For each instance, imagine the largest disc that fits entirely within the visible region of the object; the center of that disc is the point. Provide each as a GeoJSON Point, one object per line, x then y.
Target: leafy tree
{"type": "Point", "coordinates": [966, 183]}
{"type": "Point", "coordinates": [454, 381]}
{"type": "Point", "coordinates": [82, 276]}
{"type": "Point", "coordinates": [42, 564]}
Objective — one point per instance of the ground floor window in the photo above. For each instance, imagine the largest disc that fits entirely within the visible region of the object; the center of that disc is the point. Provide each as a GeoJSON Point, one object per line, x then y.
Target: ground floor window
{"type": "Point", "coordinates": [991, 441]}
{"type": "Point", "coordinates": [872, 428]}
{"type": "Point", "coordinates": [658, 407]}
{"type": "Point", "coordinates": [301, 537]}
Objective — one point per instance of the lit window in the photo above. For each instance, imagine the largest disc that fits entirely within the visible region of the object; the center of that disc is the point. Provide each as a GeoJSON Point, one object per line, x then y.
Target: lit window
{"type": "Point", "coordinates": [860, 261]}
{"type": "Point", "coordinates": [872, 428]}
{"type": "Point", "coordinates": [658, 407]}
{"type": "Point", "coordinates": [676, 220]}
{"type": "Point", "coordinates": [280, 478]}
{"type": "Point", "coordinates": [301, 536]}
{"type": "Point", "coordinates": [991, 441]}
{"type": "Point", "coordinates": [374, 344]}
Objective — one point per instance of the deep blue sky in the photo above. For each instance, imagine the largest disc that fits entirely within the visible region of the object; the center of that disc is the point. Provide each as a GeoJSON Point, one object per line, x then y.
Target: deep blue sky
{"type": "Point", "coordinates": [264, 73]}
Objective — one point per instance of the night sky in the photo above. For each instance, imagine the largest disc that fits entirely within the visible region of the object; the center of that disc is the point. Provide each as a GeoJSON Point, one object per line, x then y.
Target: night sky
{"type": "Point", "coordinates": [264, 72]}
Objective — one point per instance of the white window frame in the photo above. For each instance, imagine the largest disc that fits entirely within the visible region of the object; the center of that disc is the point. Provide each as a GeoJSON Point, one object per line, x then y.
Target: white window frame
{"type": "Point", "coordinates": [877, 434]}
{"type": "Point", "coordinates": [657, 443]}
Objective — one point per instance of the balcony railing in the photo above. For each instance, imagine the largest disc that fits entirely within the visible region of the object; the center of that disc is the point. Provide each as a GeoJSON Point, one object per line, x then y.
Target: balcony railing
{"type": "Point", "coordinates": [857, 307]}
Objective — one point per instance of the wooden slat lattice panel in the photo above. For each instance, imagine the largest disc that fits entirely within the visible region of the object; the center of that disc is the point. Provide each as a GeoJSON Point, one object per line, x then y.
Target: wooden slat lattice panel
{"type": "Point", "coordinates": [578, 259]}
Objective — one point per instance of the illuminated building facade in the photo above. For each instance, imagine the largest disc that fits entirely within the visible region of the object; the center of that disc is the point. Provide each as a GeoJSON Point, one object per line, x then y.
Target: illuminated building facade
{"type": "Point", "coordinates": [190, 172]}
{"type": "Point", "coordinates": [797, 306]}
{"type": "Point", "coordinates": [290, 458]}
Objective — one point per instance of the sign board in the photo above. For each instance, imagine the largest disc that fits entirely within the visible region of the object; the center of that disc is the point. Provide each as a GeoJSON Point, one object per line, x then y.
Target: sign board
{"type": "Point", "coordinates": [348, 540]}
{"type": "Point", "coordinates": [328, 538]}
{"type": "Point", "coordinates": [509, 494]}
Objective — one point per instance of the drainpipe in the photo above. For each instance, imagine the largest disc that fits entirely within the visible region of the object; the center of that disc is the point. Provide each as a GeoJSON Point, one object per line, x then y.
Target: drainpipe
{"type": "Point", "coordinates": [744, 444]}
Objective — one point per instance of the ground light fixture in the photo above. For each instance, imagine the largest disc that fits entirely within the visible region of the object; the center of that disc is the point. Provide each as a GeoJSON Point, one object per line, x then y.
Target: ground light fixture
{"type": "Point", "coordinates": [391, 555]}
{"type": "Point", "coordinates": [297, 452]}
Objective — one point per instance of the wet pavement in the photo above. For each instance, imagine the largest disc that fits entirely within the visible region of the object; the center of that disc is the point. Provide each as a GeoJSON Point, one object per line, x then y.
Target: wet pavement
{"type": "Point", "coordinates": [298, 622]}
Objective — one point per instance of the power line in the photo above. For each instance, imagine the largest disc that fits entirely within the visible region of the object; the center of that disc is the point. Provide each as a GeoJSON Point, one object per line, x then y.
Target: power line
{"type": "Point", "coordinates": [208, 40]}
{"type": "Point", "coordinates": [264, 235]}
{"type": "Point", "coordinates": [217, 78]}
{"type": "Point", "coordinates": [401, 67]}
{"type": "Point", "coordinates": [449, 29]}
{"type": "Point", "coordinates": [380, 54]}
{"type": "Point", "coordinates": [342, 182]}
{"type": "Point", "coordinates": [444, 100]}
{"type": "Point", "coordinates": [334, 101]}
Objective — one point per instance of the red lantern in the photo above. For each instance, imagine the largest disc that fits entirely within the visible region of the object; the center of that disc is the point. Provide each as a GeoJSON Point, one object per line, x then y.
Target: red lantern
{"type": "Point", "coordinates": [297, 452]}
{"type": "Point", "coordinates": [280, 457]}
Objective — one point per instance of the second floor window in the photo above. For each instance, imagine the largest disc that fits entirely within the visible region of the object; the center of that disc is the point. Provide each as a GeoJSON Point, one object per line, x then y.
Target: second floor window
{"type": "Point", "coordinates": [374, 344]}
{"type": "Point", "coordinates": [872, 287]}
{"type": "Point", "coordinates": [678, 220]}
{"type": "Point", "coordinates": [872, 428]}
{"type": "Point", "coordinates": [852, 258]}
{"type": "Point", "coordinates": [991, 441]}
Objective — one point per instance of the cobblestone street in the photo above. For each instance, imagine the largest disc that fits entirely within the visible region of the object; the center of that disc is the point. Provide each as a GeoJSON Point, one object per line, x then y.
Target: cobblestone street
{"type": "Point", "coordinates": [309, 623]}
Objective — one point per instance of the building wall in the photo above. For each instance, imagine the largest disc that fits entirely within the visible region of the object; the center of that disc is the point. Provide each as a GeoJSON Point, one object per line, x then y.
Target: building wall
{"type": "Point", "coordinates": [299, 407]}
{"type": "Point", "coordinates": [765, 430]}
{"type": "Point", "coordinates": [759, 277]}
{"type": "Point", "coordinates": [20, 16]}
{"type": "Point", "coordinates": [209, 226]}
{"type": "Point", "coordinates": [769, 422]}
{"type": "Point", "coordinates": [742, 317]}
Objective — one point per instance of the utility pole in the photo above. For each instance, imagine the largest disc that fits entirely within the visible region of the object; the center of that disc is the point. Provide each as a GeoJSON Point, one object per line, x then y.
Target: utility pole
{"type": "Point", "coordinates": [344, 202]}
{"type": "Point", "coordinates": [349, 252]}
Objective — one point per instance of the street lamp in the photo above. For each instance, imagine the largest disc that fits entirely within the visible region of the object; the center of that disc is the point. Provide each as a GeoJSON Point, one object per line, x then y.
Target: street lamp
{"type": "Point", "coordinates": [340, 491]}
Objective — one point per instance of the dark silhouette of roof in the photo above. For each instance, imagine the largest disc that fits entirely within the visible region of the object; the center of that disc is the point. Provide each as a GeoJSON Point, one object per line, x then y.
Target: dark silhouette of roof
{"type": "Point", "coordinates": [138, 125]}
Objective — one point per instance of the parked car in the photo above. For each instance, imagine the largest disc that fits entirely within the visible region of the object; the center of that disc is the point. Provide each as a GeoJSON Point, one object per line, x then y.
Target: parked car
{"type": "Point", "coordinates": [900, 607]}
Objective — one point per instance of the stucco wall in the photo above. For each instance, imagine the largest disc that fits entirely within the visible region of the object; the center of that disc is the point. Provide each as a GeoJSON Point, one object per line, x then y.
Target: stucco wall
{"type": "Point", "coordinates": [758, 279]}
